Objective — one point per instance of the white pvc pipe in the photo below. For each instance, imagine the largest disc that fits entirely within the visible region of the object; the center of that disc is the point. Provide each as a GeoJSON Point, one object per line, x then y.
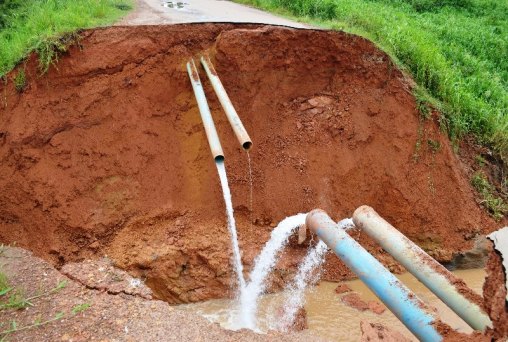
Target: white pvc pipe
{"type": "Point", "coordinates": [227, 105]}
{"type": "Point", "coordinates": [204, 110]}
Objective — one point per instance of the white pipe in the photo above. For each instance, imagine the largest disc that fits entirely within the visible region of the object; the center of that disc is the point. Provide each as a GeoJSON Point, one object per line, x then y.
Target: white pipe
{"type": "Point", "coordinates": [204, 110]}
{"type": "Point", "coordinates": [227, 105]}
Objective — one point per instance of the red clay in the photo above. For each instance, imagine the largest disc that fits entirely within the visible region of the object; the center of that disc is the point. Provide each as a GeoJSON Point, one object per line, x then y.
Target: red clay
{"type": "Point", "coordinates": [106, 154]}
{"type": "Point", "coordinates": [355, 301]}
{"type": "Point", "coordinates": [494, 292]}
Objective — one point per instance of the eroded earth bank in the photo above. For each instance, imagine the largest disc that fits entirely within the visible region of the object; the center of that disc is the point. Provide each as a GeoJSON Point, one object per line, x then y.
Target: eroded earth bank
{"type": "Point", "coordinates": [105, 156]}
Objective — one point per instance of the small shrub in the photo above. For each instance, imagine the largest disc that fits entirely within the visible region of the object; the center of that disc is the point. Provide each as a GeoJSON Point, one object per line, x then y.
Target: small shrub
{"type": "Point", "coordinates": [434, 145]}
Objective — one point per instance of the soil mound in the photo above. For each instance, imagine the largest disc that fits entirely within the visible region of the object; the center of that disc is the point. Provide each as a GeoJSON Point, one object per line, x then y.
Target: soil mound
{"type": "Point", "coordinates": [106, 154]}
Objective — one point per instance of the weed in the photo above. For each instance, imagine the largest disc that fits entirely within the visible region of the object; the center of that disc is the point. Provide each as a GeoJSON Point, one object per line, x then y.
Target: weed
{"type": "Point", "coordinates": [496, 206]}
{"type": "Point", "coordinates": [422, 103]}
{"type": "Point", "coordinates": [20, 80]}
{"type": "Point", "coordinates": [37, 323]}
{"type": "Point", "coordinates": [480, 160]}
{"type": "Point", "coordinates": [80, 308]}
{"type": "Point", "coordinates": [16, 299]}
{"type": "Point", "coordinates": [418, 144]}
{"type": "Point", "coordinates": [434, 145]}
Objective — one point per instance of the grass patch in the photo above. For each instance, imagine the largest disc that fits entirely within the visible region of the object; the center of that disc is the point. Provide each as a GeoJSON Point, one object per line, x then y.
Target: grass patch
{"type": "Point", "coordinates": [456, 49]}
{"type": "Point", "coordinates": [47, 26]}
{"type": "Point", "coordinates": [496, 206]}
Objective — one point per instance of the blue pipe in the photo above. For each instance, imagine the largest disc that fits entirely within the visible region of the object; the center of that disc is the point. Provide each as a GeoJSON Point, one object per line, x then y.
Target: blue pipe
{"type": "Point", "coordinates": [396, 296]}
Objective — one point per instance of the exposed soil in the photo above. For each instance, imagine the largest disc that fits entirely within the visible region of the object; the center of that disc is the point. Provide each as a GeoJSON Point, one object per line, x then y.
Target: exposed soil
{"type": "Point", "coordinates": [494, 291]}
{"type": "Point", "coordinates": [103, 316]}
{"type": "Point", "coordinates": [106, 154]}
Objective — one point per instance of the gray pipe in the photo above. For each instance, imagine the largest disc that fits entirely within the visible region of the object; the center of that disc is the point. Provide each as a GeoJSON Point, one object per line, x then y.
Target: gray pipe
{"type": "Point", "coordinates": [427, 270]}
{"type": "Point", "coordinates": [227, 105]}
{"type": "Point", "coordinates": [204, 110]}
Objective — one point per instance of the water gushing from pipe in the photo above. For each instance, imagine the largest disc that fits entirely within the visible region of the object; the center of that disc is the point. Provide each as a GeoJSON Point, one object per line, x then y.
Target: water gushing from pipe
{"type": "Point", "coordinates": [295, 297]}
{"type": "Point", "coordinates": [251, 197]}
{"type": "Point", "coordinates": [305, 276]}
{"type": "Point", "coordinates": [263, 264]}
{"type": "Point", "coordinates": [237, 258]}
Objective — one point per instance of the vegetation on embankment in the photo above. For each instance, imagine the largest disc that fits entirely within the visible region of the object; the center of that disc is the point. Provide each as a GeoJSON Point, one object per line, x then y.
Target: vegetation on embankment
{"type": "Point", "coordinates": [40, 25]}
{"type": "Point", "coordinates": [456, 49]}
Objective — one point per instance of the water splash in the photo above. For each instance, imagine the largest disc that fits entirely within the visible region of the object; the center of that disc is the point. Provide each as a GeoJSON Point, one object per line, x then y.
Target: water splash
{"type": "Point", "coordinates": [296, 290]}
{"type": "Point", "coordinates": [295, 298]}
{"type": "Point", "coordinates": [263, 264]}
{"type": "Point", "coordinates": [237, 258]}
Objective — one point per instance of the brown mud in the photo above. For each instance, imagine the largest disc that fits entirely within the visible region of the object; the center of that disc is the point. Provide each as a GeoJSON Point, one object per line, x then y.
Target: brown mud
{"type": "Point", "coordinates": [375, 332]}
{"type": "Point", "coordinates": [106, 154]}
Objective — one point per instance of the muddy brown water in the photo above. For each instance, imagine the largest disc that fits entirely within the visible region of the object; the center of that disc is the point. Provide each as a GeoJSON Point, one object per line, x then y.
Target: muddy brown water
{"type": "Point", "coordinates": [328, 317]}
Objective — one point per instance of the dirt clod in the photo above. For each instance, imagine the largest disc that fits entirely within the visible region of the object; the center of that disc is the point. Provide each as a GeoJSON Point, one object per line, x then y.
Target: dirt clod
{"type": "Point", "coordinates": [342, 288]}
{"type": "Point", "coordinates": [376, 307]}
{"type": "Point", "coordinates": [355, 301]}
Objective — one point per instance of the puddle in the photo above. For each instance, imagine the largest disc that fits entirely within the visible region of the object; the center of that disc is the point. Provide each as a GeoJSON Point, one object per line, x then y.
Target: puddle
{"type": "Point", "coordinates": [174, 4]}
{"type": "Point", "coordinates": [328, 317]}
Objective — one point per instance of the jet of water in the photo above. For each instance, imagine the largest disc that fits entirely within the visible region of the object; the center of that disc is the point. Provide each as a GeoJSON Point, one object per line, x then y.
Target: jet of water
{"type": "Point", "coordinates": [296, 290]}
{"type": "Point", "coordinates": [237, 258]}
{"type": "Point", "coordinates": [295, 298]}
{"type": "Point", "coordinates": [263, 264]}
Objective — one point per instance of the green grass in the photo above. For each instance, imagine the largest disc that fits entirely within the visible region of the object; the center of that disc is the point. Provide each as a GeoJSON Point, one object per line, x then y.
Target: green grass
{"type": "Point", "coordinates": [12, 298]}
{"type": "Point", "coordinates": [46, 25]}
{"type": "Point", "coordinates": [456, 49]}
{"type": "Point", "coordinates": [496, 206]}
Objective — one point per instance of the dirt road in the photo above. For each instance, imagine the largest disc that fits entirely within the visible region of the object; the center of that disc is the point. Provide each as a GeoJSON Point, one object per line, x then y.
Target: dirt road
{"type": "Point", "coordinates": [157, 12]}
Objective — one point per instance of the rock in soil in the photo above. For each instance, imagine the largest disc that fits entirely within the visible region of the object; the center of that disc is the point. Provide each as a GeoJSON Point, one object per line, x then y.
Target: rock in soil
{"type": "Point", "coordinates": [342, 288]}
{"type": "Point", "coordinates": [355, 301]}
{"type": "Point", "coordinates": [376, 307]}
